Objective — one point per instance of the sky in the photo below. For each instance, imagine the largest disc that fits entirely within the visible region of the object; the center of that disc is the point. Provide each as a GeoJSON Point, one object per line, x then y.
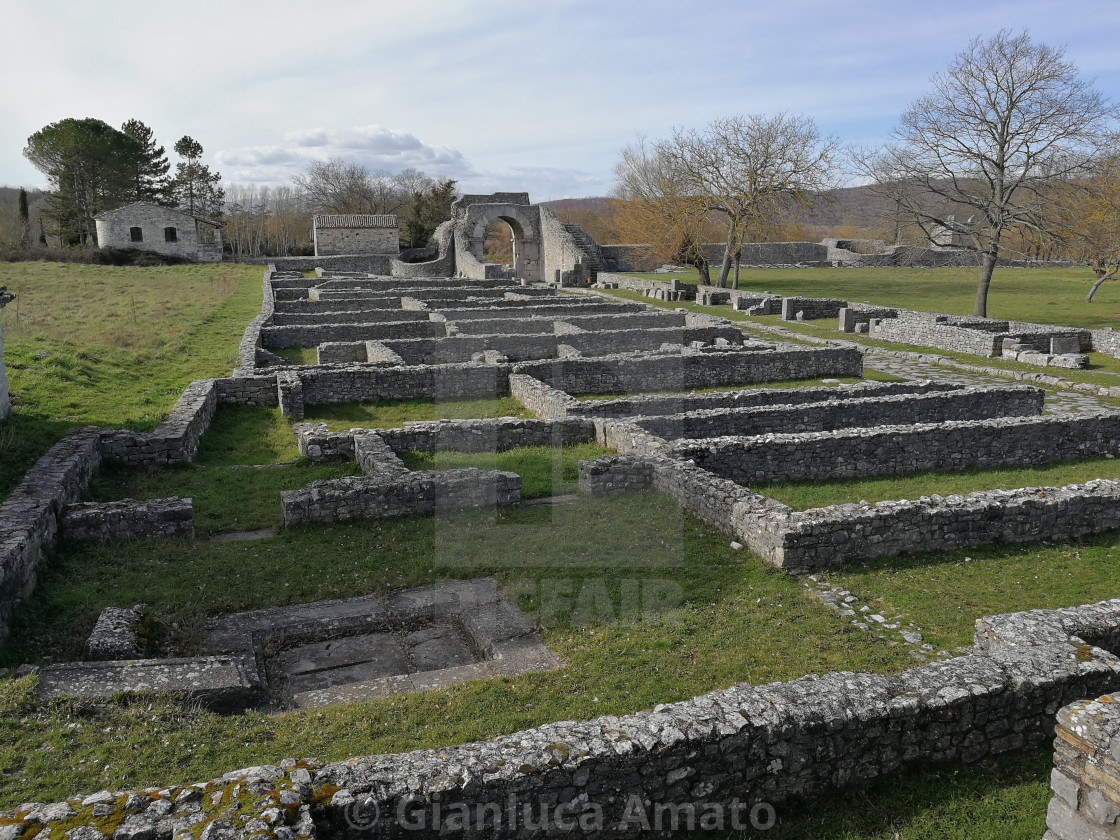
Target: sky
{"type": "Point", "coordinates": [503, 95]}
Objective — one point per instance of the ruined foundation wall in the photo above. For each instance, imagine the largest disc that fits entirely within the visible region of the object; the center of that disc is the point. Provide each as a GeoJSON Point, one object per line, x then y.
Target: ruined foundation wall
{"type": "Point", "coordinates": [983, 403]}
{"type": "Point", "coordinates": [656, 373]}
{"type": "Point", "coordinates": [897, 450]}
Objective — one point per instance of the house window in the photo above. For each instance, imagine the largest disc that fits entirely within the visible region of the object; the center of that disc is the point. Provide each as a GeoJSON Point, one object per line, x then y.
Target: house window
{"type": "Point", "coordinates": [170, 234]}
{"type": "Point", "coordinates": [136, 234]}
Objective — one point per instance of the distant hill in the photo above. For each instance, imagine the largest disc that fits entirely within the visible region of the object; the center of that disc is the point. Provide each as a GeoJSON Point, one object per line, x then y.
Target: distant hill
{"type": "Point", "coordinates": [839, 213]}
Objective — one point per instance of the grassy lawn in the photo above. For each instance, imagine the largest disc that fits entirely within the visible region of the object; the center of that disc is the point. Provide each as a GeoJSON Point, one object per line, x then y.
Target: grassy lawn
{"type": "Point", "coordinates": [945, 593]}
{"type": "Point", "coordinates": [802, 495]}
{"type": "Point", "coordinates": [298, 355]}
{"type": "Point", "coordinates": [1103, 369]}
{"type": "Point", "coordinates": [1040, 295]}
{"type": "Point", "coordinates": [109, 346]}
{"type": "Point", "coordinates": [1003, 799]}
{"type": "Point", "coordinates": [578, 568]}
{"type": "Point", "coordinates": [390, 414]}
{"type": "Point", "coordinates": [544, 471]}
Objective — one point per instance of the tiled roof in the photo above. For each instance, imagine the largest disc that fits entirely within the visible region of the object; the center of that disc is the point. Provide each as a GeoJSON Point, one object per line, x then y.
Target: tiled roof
{"type": "Point", "coordinates": [354, 220]}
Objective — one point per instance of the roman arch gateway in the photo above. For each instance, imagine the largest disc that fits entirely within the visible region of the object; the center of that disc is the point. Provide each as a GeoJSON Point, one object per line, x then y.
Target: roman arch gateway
{"type": "Point", "coordinates": [544, 249]}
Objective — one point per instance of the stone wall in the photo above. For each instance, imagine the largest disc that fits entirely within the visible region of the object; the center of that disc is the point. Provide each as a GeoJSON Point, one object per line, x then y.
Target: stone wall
{"type": "Point", "coordinates": [1086, 775]}
{"type": "Point", "coordinates": [560, 254]}
{"type": "Point", "coordinates": [358, 315]}
{"type": "Point", "coordinates": [717, 754]}
{"type": "Point", "coordinates": [368, 384]}
{"type": "Point", "coordinates": [128, 519]}
{"type": "Point", "coordinates": [250, 346]}
{"type": "Point", "coordinates": [311, 335]}
{"type": "Point", "coordinates": [492, 310]}
{"type": "Point", "coordinates": [897, 450]}
{"type": "Point", "coordinates": [372, 497]}
{"type": "Point", "coordinates": [29, 518]}
{"type": "Point", "coordinates": [366, 263]}
{"type": "Point", "coordinates": [154, 221]}
{"type": "Point", "coordinates": [497, 435]}
{"type": "Point", "coordinates": [808, 542]}
{"type": "Point", "coordinates": [622, 374]}
{"type": "Point", "coordinates": [1106, 341]}
{"type": "Point", "coordinates": [810, 309]}
{"type": "Point", "coordinates": [658, 404]}
{"type": "Point", "coordinates": [982, 403]}
{"type": "Point", "coordinates": [175, 440]}
{"type": "Point", "coordinates": [335, 235]}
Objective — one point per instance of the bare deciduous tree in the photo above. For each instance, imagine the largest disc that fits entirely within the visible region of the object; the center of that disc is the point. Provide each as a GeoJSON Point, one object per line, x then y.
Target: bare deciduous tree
{"type": "Point", "coordinates": [1008, 119]}
{"type": "Point", "coordinates": [654, 204]}
{"type": "Point", "coordinates": [750, 169]}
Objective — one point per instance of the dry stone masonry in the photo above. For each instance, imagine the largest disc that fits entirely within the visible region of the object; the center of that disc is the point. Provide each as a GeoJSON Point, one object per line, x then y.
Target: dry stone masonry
{"type": "Point", "coordinates": [636, 379]}
{"type": "Point", "coordinates": [722, 752]}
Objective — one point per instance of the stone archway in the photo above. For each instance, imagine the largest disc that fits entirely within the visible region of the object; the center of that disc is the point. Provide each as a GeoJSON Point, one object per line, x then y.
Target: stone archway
{"type": "Point", "coordinates": [523, 221]}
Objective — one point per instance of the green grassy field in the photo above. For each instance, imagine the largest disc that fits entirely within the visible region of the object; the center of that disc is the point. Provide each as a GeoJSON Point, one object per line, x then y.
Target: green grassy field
{"type": "Point", "coordinates": [108, 346]}
{"type": "Point", "coordinates": [802, 495]}
{"type": "Point", "coordinates": [544, 471]}
{"type": "Point", "coordinates": [1040, 295]}
{"type": "Point", "coordinates": [1103, 370]}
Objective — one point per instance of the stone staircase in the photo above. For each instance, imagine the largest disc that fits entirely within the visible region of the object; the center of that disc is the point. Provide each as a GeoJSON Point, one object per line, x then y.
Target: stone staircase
{"type": "Point", "coordinates": [593, 257]}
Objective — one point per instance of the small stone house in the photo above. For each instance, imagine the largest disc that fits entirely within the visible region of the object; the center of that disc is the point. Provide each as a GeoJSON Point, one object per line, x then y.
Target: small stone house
{"type": "Point", "coordinates": [163, 230]}
{"type": "Point", "coordinates": [355, 234]}
{"type": "Point", "coordinates": [5, 403]}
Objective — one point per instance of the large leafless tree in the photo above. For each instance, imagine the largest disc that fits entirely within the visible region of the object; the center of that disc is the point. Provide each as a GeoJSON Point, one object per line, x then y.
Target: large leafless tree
{"type": "Point", "coordinates": [654, 203]}
{"type": "Point", "coordinates": [976, 158]}
{"type": "Point", "coordinates": [750, 169]}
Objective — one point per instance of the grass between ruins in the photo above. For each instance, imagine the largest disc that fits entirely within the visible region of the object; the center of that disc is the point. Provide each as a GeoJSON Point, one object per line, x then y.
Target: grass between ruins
{"type": "Point", "coordinates": [1103, 370]}
{"type": "Point", "coordinates": [738, 620]}
{"type": "Point", "coordinates": [1039, 295]}
{"type": "Point", "coordinates": [544, 471]}
{"type": "Point", "coordinates": [802, 495]}
{"type": "Point", "coordinates": [110, 346]}
{"type": "Point", "coordinates": [389, 414]}
{"type": "Point", "coordinates": [869, 376]}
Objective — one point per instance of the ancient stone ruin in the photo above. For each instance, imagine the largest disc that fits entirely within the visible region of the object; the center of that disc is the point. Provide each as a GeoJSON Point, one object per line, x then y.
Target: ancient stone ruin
{"type": "Point", "coordinates": [677, 397]}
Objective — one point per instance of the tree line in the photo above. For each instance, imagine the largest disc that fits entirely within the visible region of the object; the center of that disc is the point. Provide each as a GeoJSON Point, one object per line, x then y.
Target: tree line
{"type": "Point", "coordinates": [1011, 154]}
{"type": "Point", "coordinates": [276, 221]}
{"type": "Point", "coordinates": [92, 167]}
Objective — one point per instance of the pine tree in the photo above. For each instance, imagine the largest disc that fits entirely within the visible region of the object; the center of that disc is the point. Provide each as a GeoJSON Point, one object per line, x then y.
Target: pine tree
{"type": "Point", "coordinates": [149, 166]}
{"type": "Point", "coordinates": [195, 188]}
{"type": "Point", "coordinates": [84, 161]}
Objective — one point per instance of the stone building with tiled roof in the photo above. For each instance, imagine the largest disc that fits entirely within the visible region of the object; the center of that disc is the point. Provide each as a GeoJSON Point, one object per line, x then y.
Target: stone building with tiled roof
{"type": "Point", "coordinates": [351, 233]}
{"type": "Point", "coordinates": [164, 230]}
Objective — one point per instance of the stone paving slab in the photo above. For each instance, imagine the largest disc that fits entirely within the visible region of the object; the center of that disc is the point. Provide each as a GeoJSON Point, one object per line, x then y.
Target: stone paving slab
{"type": "Point", "coordinates": [437, 648]}
{"type": "Point", "coordinates": [381, 651]}
{"type": "Point", "coordinates": [522, 655]}
{"type": "Point", "coordinates": [496, 622]}
{"type": "Point", "coordinates": [226, 683]}
{"type": "Point", "coordinates": [441, 598]}
{"type": "Point", "coordinates": [237, 631]}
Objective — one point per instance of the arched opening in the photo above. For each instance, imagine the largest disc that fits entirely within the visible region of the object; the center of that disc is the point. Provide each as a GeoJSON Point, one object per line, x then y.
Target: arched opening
{"type": "Point", "coordinates": [516, 244]}
{"type": "Point", "coordinates": [499, 245]}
